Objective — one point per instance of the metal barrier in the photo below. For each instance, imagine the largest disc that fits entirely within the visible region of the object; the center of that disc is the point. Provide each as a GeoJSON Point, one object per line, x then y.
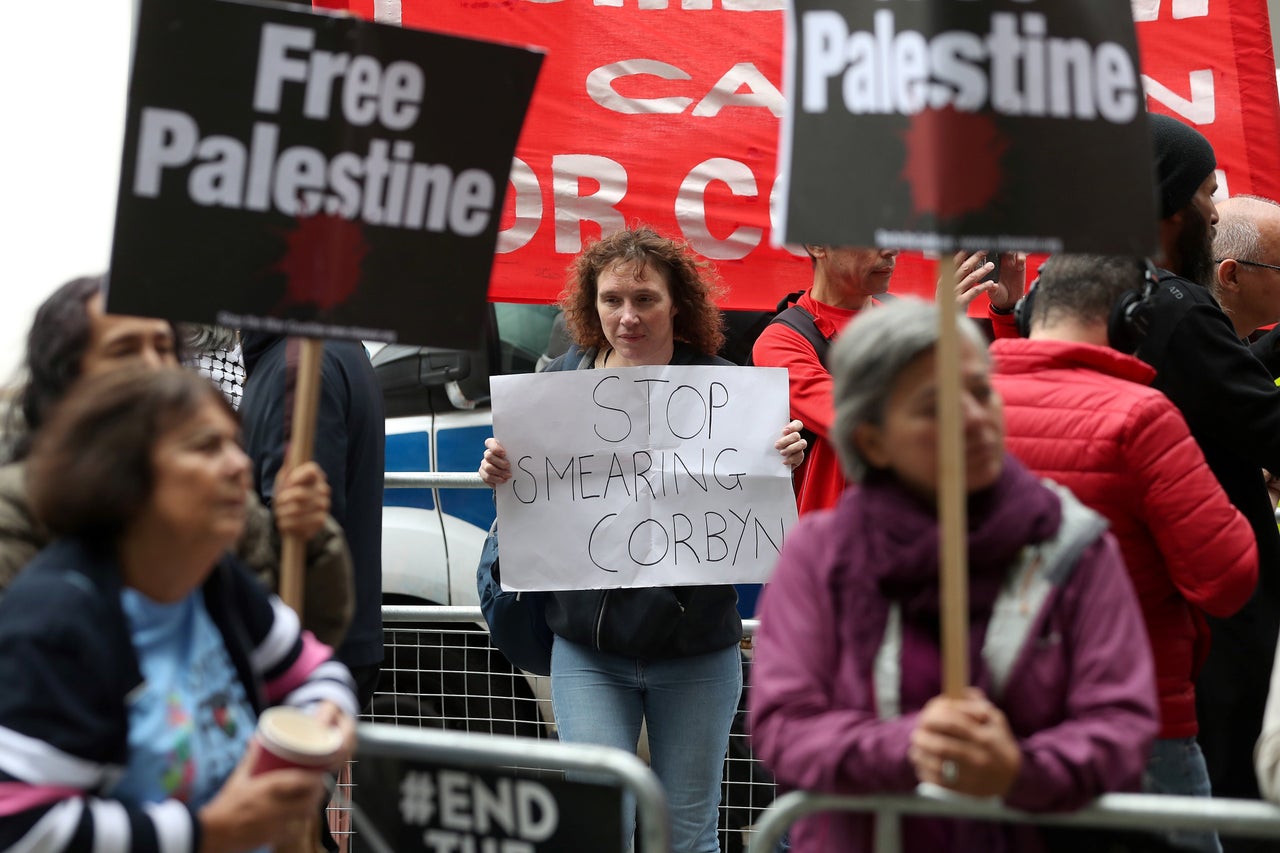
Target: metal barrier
{"type": "Point", "coordinates": [442, 672]}
{"type": "Point", "coordinates": [493, 753]}
{"type": "Point", "coordinates": [1151, 812]}
{"type": "Point", "coordinates": [437, 675]}
{"type": "Point", "coordinates": [433, 480]}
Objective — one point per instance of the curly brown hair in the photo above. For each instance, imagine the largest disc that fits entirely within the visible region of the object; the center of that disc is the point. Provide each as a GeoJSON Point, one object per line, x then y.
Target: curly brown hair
{"type": "Point", "coordinates": [692, 281]}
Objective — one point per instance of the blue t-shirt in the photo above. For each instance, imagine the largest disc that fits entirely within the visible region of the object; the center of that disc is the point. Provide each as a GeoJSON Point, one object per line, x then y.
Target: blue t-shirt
{"type": "Point", "coordinates": [190, 721]}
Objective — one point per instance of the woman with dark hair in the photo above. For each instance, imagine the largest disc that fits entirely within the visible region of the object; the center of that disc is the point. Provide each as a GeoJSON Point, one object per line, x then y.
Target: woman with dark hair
{"type": "Point", "coordinates": [847, 674]}
{"type": "Point", "coordinates": [664, 656]}
{"type": "Point", "coordinates": [136, 652]}
{"type": "Point", "coordinates": [73, 336]}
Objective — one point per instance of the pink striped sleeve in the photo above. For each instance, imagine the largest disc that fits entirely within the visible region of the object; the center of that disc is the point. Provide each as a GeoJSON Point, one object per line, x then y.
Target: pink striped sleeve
{"type": "Point", "coordinates": [18, 797]}
{"type": "Point", "coordinates": [312, 655]}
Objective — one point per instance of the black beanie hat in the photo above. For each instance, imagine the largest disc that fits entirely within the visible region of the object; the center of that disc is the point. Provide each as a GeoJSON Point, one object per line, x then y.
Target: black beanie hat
{"type": "Point", "coordinates": [1184, 158]}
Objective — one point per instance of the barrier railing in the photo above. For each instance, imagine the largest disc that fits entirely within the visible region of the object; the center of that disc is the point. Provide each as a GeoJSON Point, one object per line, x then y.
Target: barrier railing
{"type": "Point", "coordinates": [499, 755]}
{"type": "Point", "coordinates": [442, 672]}
{"type": "Point", "coordinates": [1150, 812]}
{"type": "Point", "coordinates": [433, 480]}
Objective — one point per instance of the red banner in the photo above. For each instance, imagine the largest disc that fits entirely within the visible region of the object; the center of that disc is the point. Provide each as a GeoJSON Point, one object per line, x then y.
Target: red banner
{"type": "Point", "coordinates": [667, 111]}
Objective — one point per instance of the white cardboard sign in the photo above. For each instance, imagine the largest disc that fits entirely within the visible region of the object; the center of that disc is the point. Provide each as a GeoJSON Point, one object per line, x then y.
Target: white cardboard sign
{"type": "Point", "coordinates": [642, 476]}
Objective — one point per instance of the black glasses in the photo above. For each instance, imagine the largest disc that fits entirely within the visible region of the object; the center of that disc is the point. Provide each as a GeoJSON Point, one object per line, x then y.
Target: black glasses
{"type": "Point", "coordinates": [1248, 263]}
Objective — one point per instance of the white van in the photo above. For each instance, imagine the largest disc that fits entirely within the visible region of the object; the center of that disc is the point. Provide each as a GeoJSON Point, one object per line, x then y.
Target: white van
{"type": "Point", "coordinates": [438, 417]}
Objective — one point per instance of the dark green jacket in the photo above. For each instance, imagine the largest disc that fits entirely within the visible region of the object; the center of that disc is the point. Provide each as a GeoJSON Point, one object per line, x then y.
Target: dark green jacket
{"type": "Point", "coordinates": [327, 590]}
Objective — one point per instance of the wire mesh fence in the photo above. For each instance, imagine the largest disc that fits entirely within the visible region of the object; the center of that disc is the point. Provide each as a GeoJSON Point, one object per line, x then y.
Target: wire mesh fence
{"type": "Point", "coordinates": [440, 672]}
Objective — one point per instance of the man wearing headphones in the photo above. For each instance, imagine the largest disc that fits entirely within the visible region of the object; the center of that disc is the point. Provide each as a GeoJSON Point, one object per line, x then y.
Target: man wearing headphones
{"type": "Point", "coordinates": [1079, 411]}
{"type": "Point", "coordinates": [1232, 406]}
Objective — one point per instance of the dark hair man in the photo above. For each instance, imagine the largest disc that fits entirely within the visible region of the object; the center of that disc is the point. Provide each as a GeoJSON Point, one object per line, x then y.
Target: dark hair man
{"type": "Point", "coordinates": [72, 336]}
{"type": "Point", "coordinates": [1232, 406]}
{"type": "Point", "coordinates": [1083, 414]}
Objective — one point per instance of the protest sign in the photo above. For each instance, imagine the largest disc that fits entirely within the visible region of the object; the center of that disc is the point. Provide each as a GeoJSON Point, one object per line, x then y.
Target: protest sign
{"type": "Point", "coordinates": [419, 806]}
{"type": "Point", "coordinates": [960, 121]}
{"type": "Point", "coordinates": [642, 476]}
{"type": "Point", "coordinates": [313, 174]}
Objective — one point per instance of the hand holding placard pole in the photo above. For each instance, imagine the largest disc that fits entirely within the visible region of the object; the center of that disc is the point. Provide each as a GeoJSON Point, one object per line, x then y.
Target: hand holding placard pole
{"type": "Point", "coordinates": [306, 402]}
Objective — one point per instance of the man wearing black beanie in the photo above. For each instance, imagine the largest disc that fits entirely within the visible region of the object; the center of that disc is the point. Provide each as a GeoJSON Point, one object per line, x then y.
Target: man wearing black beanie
{"type": "Point", "coordinates": [1186, 177]}
{"type": "Point", "coordinates": [1232, 406]}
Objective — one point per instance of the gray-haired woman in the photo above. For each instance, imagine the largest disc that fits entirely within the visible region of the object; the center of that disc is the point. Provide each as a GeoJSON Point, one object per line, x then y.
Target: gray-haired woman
{"type": "Point", "coordinates": [846, 679]}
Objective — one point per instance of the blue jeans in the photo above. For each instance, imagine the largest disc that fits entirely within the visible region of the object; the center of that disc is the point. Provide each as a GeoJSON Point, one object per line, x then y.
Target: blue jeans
{"type": "Point", "coordinates": [688, 705]}
{"type": "Point", "coordinates": [1177, 766]}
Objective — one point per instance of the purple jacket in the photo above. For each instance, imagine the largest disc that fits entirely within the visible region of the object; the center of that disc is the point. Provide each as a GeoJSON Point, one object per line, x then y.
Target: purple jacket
{"type": "Point", "coordinates": [1080, 698]}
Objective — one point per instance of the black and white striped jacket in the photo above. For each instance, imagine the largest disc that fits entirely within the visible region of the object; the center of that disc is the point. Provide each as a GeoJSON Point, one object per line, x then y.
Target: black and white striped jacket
{"type": "Point", "coordinates": [67, 667]}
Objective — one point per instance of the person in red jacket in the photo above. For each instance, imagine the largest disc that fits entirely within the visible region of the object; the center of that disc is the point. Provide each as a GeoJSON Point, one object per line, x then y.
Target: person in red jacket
{"type": "Point", "coordinates": [1083, 414]}
{"type": "Point", "coordinates": [845, 281]}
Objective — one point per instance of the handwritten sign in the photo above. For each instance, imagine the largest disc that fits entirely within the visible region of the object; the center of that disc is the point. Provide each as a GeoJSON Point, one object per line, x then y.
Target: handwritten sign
{"type": "Point", "coordinates": [642, 476]}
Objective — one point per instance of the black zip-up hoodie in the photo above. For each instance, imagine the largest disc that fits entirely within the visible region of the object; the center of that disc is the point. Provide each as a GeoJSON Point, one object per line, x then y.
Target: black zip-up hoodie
{"type": "Point", "coordinates": [652, 623]}
{"type": "Point", "coordinates": [1232, 407]}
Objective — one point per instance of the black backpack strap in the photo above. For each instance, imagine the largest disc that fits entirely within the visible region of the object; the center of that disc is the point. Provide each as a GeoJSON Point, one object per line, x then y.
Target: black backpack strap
{"type": "Point", "coordinates": [796, 318]}
{"type": "Point", "coordinates": [804, 324]}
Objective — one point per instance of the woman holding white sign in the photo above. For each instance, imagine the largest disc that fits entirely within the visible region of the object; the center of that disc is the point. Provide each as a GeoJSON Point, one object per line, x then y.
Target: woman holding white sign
{"type": "Point", "coordinates": [665, 656]}
{"type": "Point", "coordinates": [846, 679]}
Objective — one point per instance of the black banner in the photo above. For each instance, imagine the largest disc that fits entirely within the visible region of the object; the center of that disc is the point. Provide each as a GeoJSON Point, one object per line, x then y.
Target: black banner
{"type": "Point", "coordinates": [418, 806]}
{"type": "Point", "coordinates": [313, 174]}
{"type": "Point", "coordinates": [940, 124]}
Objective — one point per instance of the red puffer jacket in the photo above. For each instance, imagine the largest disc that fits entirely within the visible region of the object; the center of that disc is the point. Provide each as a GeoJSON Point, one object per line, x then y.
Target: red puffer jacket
{"type": "Point", "coordinates": [1084, 416]}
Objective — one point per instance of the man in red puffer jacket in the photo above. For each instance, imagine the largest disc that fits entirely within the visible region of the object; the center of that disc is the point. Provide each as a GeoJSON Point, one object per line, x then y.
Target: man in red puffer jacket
{"type": "Point", "coordinates": [1081, 413]}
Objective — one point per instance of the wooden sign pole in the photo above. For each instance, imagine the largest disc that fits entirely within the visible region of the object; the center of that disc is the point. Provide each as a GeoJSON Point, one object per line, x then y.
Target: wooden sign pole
{"type": "Point", "coordinates": [952, 522]}
{"type": "Point", "coordinates": [302, 443]}
{"type": "Point", "coordinates": [293, 548]}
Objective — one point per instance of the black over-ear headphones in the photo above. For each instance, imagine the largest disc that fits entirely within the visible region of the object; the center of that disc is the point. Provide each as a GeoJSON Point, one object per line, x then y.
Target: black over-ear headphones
{"type": "Point", "coordinates": [1130, 317]}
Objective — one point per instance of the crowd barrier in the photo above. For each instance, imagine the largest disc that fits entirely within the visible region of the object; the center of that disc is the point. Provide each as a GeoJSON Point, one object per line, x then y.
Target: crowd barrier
{"type": "Point", "coordinates": [422, 802]}
{"type": "Point", "coordinates": [442, 672]}
{"type": "Point", "coordinates": [1149, 812]}
{"type": "Point", "coordinates": [433, 480]}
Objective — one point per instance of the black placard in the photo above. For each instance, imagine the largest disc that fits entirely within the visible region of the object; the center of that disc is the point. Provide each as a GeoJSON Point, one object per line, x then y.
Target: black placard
{"type": "Point", "coordinates": [984, 124]}
{"type": "Point", "coordinates": [313, 174]}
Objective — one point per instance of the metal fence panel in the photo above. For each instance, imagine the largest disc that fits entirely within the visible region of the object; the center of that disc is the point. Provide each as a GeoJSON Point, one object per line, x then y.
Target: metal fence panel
{"type": "Point", "coordinates": [1151, 812]}
{"type": "Point", "coordinates": [441, 672]}
{"type": "Point", "coordinates": [613, 766]}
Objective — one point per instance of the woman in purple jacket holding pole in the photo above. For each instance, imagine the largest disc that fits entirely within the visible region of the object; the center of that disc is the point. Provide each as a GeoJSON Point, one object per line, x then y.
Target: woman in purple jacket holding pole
{"type": "Point", "coordinates": [846, 682]}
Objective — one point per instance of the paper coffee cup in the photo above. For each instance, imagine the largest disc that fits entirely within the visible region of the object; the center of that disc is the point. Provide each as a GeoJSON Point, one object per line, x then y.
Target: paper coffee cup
{"type": "Point", "coordinates": [293, 738]}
